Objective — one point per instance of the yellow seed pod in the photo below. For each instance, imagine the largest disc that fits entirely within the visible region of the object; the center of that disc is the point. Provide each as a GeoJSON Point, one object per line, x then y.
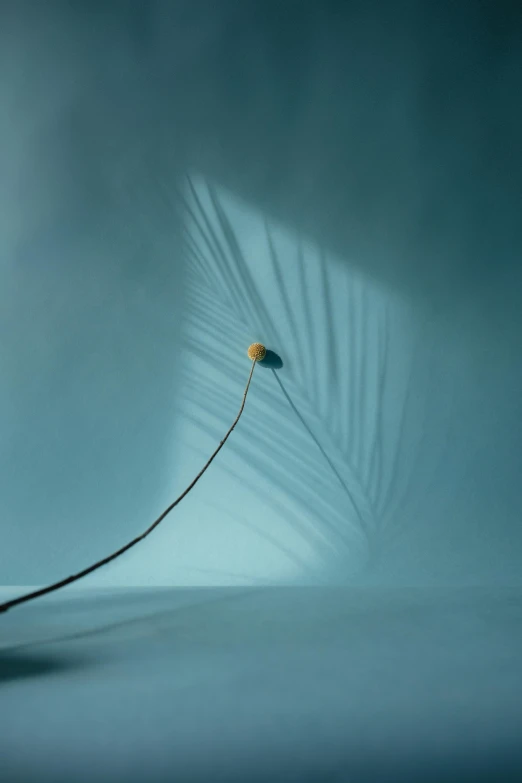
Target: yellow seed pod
{"type": "Point", "coordinates": [257, 352]}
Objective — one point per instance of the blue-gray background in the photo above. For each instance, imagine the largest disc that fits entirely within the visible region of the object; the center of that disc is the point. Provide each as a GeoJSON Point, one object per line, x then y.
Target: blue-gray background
{"type": "Point", "coordinates": [340, 180]}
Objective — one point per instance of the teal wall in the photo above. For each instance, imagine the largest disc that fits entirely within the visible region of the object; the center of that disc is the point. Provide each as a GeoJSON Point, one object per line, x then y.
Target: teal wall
{"type": "Point", "coordinates": [337, 180]}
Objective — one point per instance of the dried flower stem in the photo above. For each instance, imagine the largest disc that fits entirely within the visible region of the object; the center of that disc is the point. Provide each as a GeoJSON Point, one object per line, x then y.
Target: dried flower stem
{"type": "Point", "coordinates": [64, 582]}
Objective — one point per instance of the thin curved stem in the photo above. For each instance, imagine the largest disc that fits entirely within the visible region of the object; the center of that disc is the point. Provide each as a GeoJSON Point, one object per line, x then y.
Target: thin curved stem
{"type": "Point", "coordinates": [74, 577]}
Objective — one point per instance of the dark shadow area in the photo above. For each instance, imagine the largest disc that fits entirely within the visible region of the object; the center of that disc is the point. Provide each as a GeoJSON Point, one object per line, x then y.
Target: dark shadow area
{"type": "Point", "coordinates": [18, 666]}
{"type": "Point", "coordinates": [272, 361]}
{"type": "Point", "coordinates": [386, 131]}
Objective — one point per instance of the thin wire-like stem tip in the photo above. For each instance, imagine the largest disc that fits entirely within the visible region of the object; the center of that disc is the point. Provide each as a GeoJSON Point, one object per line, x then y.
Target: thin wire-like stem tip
{"type": "Point", "coordinates": [74, 578]}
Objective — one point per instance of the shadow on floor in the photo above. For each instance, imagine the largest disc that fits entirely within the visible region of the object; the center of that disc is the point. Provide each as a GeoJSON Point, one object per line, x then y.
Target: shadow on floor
{"type": "Point", "coordinates": [17, 666]}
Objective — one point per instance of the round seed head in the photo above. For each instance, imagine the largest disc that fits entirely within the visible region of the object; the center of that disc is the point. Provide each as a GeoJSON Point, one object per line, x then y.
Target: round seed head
{"type": "Point", "coordinates": [257, 352]}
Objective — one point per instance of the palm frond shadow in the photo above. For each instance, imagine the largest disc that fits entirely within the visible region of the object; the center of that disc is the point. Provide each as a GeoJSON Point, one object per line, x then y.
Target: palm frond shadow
{"type": "Point", "coordinates": [325, 455]}
{"type": "Point", "coordinates": [326, 443]}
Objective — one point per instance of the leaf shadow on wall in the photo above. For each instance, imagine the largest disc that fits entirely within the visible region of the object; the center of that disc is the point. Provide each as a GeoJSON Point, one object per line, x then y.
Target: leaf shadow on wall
{"type": "Point", "coordinates": [342, 434]}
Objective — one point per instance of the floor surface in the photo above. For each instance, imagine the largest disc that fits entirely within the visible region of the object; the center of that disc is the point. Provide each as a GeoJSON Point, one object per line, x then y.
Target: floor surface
{"type": "Point", "coordinates": [268, 684]}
